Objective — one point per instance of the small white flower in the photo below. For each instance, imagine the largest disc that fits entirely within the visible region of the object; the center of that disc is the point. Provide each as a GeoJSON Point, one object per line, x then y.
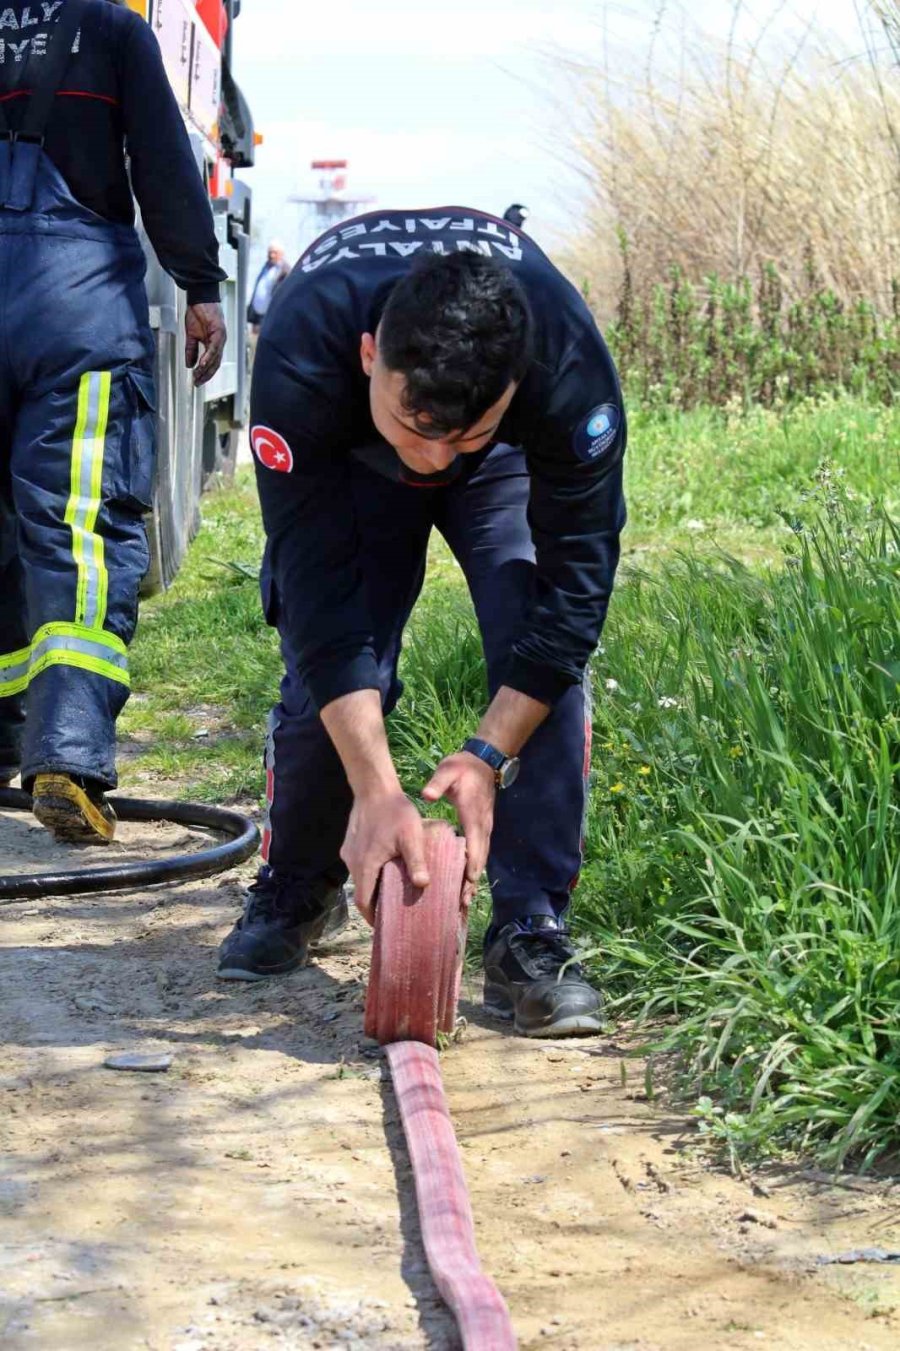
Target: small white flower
{"type": "Point", "coordinates": [695, 525]}
{"type": "Point", "coordinates": [666, 701]}
{"type": "Point", "coordinates": [612, 685]}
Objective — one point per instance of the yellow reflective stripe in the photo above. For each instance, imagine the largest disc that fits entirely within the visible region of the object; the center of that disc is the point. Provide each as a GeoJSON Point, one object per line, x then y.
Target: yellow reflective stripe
{"type": "Point", "coordinates": [72, 506]}
{"type": "Point", "coordinates": [62, 644]}
{"type": "Point", "coordinates": [14, 672]}
{"type": "Point", "coordinates": [58, 628]}
{"type": "Point", "coordinates": [14, 658]}
{"type": "Point", "coordinates": [101, 575]}
{"type": "Point", "coordinates": [10, 687]}
{"type": "Point", "coordinates": [83, 662]}
{"type": "Point", "coordinates": [85, 496]}
{"type": "Point", "coordinates": [14, 682]}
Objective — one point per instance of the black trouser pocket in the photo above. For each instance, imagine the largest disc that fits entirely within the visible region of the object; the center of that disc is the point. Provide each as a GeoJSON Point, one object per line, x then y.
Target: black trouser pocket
{"type": "Point", "coordinates": [134, 480]}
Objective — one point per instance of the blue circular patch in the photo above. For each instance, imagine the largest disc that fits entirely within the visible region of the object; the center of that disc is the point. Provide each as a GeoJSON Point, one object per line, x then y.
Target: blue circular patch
{"type": "Point", "coordinates": [596, 433]}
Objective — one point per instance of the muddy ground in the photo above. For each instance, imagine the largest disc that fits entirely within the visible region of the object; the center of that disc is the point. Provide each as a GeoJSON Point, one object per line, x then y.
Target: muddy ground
{"type": "Point", "coordinates": [257, 1194]}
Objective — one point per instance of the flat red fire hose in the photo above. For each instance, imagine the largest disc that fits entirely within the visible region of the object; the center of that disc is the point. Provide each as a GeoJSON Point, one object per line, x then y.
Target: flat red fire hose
{"type": "Point", "coordinates": [412, 995]}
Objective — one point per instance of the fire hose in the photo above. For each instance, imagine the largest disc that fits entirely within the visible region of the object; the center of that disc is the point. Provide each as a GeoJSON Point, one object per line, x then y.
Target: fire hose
{"type": "Point", "coordinates": [242, 840]}
{"type": "Point", "coordinates": [412, 996]}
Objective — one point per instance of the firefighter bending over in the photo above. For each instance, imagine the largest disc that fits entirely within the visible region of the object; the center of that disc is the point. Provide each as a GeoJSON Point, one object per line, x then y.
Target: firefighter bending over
{"type": "Point", "coordinates": [425, 370]}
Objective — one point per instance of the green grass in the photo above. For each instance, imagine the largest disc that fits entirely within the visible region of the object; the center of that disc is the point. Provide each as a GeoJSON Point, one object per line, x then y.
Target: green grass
{"type": "Point", "coordinates": [730, 477]}
{"type": "Point", "coordinates": [204, 660]}
{"type": "Point", "coordinates": [742, 870]}
{"type": "Point", "coordinates": [742, 862]}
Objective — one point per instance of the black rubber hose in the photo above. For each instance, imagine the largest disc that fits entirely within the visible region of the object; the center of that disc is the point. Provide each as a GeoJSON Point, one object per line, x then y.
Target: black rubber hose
{"type": "Point", "coordinates": [242, 841]}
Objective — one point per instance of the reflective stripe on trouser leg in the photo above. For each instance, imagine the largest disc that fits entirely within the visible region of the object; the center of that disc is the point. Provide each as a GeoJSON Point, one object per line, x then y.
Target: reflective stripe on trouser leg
{"type": "Point", "coordinates": [14, 672]}
{"type": "Point", "coordinates": [60, 644]}
{"type": "Point", "coordinates": [587, 685]}
{"type": "Point", "coordinates": [85, 496]}
{"type": "Point", "coordinates": [83, 643]}
{"type": "Point", "coordinates": [271, 729]}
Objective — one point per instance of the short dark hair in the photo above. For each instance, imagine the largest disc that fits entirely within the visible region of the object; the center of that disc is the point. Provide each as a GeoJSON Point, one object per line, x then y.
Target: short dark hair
{"type": "Point", "coordinates": [459, 328]}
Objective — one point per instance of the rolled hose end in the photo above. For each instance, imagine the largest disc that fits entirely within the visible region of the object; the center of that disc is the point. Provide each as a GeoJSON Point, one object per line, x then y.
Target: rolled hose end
{"type": "Point", "coordinates": [418, 947]}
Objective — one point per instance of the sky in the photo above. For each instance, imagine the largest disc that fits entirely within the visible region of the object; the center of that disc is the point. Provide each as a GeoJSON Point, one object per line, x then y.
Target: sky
{"type": "Point", "coordinates": [459, 104]}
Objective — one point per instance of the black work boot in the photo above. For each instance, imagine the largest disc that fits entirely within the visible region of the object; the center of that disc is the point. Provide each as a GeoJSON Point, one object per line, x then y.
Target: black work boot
{"type": "Point", "coordinates": [526, 978]}
{"type": "Point", "coordinates": [282, 918]}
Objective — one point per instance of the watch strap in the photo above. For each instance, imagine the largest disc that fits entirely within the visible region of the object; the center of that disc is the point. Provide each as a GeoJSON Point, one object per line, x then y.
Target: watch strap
{"type": "Point", "coordinates": [486, 752]}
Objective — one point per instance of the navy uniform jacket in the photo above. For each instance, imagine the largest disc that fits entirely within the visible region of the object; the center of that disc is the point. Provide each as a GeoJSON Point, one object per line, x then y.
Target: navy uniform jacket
{"type": "Point", "coordinates": [115, 95]}
{"type": "Point", "coordinates": [310, 414]}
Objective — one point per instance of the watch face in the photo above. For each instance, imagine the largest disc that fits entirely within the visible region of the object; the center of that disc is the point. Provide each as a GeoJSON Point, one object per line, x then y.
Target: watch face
{"type": "Point", "coordinates": [510, 772]}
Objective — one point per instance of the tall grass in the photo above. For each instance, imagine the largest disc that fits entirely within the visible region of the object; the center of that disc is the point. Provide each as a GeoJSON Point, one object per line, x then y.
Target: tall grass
{"type": "Point", "coordinates": [744, 837]}
{"type": "Point", "coordinates": [887, 14]}
{"type": "Point", "coordinates": [725, 159]}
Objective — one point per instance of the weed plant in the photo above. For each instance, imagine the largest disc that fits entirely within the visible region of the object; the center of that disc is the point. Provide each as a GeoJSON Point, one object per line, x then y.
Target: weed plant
{"type": "Point", "coordinates": [739, 345]}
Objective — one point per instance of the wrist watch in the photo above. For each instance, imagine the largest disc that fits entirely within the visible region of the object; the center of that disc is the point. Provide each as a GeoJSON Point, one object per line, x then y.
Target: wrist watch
{"type": "Point", "coordinates": [505, 767]}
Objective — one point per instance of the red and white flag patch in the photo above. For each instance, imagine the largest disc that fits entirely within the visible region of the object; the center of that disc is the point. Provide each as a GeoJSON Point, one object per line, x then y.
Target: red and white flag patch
{"type": "Point", "coordinates": [271, 449]}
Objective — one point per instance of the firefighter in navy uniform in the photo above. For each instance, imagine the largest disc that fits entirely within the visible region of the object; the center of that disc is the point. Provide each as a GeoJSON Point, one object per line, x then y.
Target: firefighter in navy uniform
{"type": "Point", "coordinates": [429, 369]}
{"type": "Point", "coordinates": [82, 83]}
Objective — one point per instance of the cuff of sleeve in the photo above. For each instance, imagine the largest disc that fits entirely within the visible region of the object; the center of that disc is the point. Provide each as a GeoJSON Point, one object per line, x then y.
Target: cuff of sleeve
{"type": "Point", "coordinates": [332, 679]}
{"type": "Point", "coordinates": [204, 293]}
{"type": "Point", "coordinates": [547, 684]}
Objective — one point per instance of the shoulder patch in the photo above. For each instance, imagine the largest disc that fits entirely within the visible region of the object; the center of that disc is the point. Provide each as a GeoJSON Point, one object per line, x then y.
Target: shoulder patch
{"type": "Point", "coordinates": [597, 432]}
{"type": "Point", "coordinates": [271, 449]}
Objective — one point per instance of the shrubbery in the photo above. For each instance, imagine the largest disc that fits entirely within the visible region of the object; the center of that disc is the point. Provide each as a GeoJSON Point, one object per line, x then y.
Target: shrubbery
{"type": "Point", "coordinates": [733, 343]}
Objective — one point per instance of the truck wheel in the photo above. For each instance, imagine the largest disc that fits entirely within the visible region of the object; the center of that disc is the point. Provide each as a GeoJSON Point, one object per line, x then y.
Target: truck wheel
{"type": "Point", "coordinates": [220, 451]}
{"type": "Point", "coordinates": [175, 517]}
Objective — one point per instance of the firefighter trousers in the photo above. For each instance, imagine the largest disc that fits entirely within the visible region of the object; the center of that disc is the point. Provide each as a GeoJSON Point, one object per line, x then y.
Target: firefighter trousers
{"type": "Point", "coordinates": [76, 466]}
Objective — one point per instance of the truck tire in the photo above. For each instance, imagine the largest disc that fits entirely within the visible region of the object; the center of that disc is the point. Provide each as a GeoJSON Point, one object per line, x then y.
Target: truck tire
{"type": "Point", "coordinates": [220, 452]}
{"type": "Point", "coordinates": [175, 517]}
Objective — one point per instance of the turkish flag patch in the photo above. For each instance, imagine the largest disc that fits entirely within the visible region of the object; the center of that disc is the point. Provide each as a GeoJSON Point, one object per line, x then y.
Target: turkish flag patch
{"type": "Point", "coordinates": [271, 449]}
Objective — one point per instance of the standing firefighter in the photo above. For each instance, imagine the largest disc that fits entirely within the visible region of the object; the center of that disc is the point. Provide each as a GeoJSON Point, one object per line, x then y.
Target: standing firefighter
{"type": "Point", "coordinates": [81, 84]}
{"type": "Point", "coordinates": [424, 369]}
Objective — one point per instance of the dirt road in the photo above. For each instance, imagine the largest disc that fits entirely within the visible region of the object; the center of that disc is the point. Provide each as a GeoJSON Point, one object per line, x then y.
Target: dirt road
{"type": "Point", "coordinates": [256, 1195]}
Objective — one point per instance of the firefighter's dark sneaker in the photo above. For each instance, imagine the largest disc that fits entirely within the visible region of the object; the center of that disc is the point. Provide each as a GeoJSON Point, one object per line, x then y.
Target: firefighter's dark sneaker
{"type": "Point", "coordinates": [335, 918]}
{"type": "Point", "coordinates": [74, 810]}
{"type": "Point", "coordinates": [282, 918]}
{"type": "Point", "coordinates": [530, 977]}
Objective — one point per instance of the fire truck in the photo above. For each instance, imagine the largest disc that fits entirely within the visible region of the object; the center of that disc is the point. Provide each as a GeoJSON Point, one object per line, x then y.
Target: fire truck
{"type": "Point", "coordinates": [197, 429]}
